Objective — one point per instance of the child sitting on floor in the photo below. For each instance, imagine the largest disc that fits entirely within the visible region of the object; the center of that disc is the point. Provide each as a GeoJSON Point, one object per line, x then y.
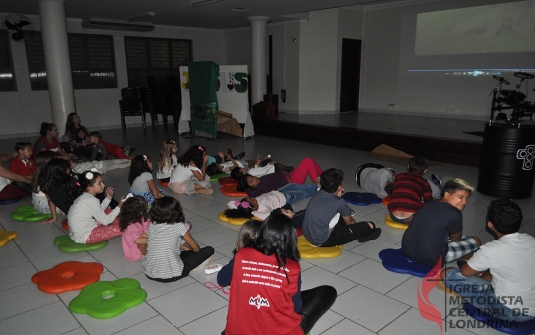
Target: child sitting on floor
{"type": "Point", "coordinates": [112, 150]}
{"type": "Point", "coordinates": [272, 256]}
{"type": "Point", "coordinates": [40, 201]}
{"type": "Point", "coordinates": [410, 191]}
{"type": "Point", "coordinates": [167, 161]}
{"type": "Point", "coordinates": [327, 207]}
{"type": "Point", "coordinates": [499, 269]}
{"type": "Point", "coordinates": [189, 176]}
{"type": "Point", "coordinates": [247, 234]}
{"type": "Point", "coordinates": [436, 230]}
{"type": "Point", "coordinates": [166, 261]}
{"type": "Point", "coordinates": [134, 222]}
{"type": "Point", "coordinates": [88, 221]}
{"type": "Point", "coordinates": [140, 177]}
{"type": "Point", "coordinates": [23, 165]}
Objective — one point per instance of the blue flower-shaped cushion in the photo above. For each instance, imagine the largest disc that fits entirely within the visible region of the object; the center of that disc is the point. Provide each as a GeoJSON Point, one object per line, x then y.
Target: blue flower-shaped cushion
{"type": "Point", "coordinates": [394, 260]}
{"type": "Point", "coordinates": [361, 199]}
{"type": "Point", "coordinates": [508, 327]}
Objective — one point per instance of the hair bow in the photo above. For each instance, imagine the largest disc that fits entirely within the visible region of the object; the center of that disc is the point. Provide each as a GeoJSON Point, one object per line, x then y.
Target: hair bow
{"type": "Point", "coordinates": [145, 157]}
{"type": "Point", "coordinates": [244, 204]}
{"type": "Point", "coordinates": [89, 176]}
{"type": "Point", "coordinates": [94, 170]}
{"type": "Point", "coordinates": [200, 148]}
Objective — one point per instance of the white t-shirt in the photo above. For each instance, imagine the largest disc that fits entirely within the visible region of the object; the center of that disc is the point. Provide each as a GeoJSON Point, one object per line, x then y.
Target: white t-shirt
{"type": "Point", "coordinates": [4, 182]}
{"type": "Point", "coordinates": [267, 203]}
{"type": "Point", "coordinates": [373, 180]}
{"type": "Point", "coordinates": [228, 166]}
{"type": "Point", "coordinates": [84, 214]}
{"type": "Point", "coordinates": [511, 260]}
{"type": "Point", "coordinates": [167, 170]}
{"type": "Point", "coordinates": [261, 171]}
{"type": "Point", "coordinates": [181, 173]}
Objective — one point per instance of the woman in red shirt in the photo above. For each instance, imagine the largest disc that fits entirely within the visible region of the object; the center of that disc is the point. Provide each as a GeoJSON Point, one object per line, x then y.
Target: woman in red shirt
{"type": "Point", "coordinates": [265, 281]}
{"type": "Point", "coordinates": [49, 141]}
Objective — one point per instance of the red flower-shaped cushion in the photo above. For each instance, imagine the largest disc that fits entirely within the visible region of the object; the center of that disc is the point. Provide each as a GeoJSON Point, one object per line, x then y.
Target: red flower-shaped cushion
{"type": "Point", "coordinates": [227, 181]}
{"type": "Point", "coordinates": [232, 191]}
{"type": "Point", "coordinates": [68, 276]}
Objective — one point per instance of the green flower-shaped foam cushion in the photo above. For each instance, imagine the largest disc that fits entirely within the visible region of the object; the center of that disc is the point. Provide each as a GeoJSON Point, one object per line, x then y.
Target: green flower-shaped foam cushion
{"type": "Point", "coordinates": [64, 243]}
{"type": "Point", "coordinates": [216, 177]}
{"type": "Point", "coordinates": [28, 213]}
{"type": "Point", "coordinates": [107, 299]}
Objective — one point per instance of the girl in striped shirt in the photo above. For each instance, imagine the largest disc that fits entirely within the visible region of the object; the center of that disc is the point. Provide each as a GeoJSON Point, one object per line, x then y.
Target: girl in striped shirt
{"type": "Point", "coordinates": [167, 259]}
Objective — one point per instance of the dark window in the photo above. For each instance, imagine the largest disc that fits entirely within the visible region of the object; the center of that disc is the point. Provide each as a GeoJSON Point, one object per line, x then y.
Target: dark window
{"type": "Point", "coordinates": [92, 61]}
{"type": "Point", "coordinates": [7, 75]}
{"type": "Point", "coordinates": [159, 57]}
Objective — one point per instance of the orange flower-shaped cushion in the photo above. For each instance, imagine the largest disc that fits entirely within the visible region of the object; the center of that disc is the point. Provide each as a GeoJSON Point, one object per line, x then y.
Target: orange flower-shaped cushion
{"type": "Point", "coordinates": [65, 224]}
{"type": "Point", "coordinates": [232, 191]}
{"type": "Point", "coordinates": [227, 181]}
{"type": "Point", "coordinates": [67, 276]}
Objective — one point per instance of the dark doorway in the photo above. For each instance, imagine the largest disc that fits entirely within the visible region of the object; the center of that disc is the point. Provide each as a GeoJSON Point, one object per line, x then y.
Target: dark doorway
{"type": "Point", "coordinates": [350, 76]}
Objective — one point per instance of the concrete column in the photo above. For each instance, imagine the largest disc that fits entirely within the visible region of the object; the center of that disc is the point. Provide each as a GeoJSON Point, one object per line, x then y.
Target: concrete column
{"type": "Point", "coordinates": [57, 60]}
{"type": "Point", "coordinates": [259, 73]}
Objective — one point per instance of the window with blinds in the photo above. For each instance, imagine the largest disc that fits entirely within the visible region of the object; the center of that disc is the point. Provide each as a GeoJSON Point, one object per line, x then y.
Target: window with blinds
{"type": "Point", "coordinates": [7, 75]}
{"type": "Point", "coordinates": [154, 56]}
{"type": "Point", "coordinates": [92, 61]}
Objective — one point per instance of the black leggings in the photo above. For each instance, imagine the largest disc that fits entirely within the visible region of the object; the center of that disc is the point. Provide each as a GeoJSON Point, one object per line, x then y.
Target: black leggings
{"type": "Point", "coordinates": [365, 166]}
{"type": "Point", "coordinates": [344, 233]}
{"type": "Point", "coordinates": [191, 260]}
{"type": "Point", "coordinates": [316, 302]}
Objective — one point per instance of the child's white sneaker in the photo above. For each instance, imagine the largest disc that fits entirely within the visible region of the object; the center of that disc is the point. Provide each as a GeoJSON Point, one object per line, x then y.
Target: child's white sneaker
{"type": "Point", "coordinates": [213, 269]}
{"type": "Point", "coordinates": [203, 265]}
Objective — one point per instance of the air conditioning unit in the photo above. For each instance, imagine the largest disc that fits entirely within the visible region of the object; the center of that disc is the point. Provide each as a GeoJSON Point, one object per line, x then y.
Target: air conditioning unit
{"type": "Point", "coordinates": [92, 23]}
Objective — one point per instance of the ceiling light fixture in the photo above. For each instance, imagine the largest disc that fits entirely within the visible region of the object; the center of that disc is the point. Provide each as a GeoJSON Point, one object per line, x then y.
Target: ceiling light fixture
{"type": "Point", "coordinates": [240, 9]}
{"type": "Point", "coordinates": [196, 3]}
{"type": "Point", "coordinates": [142, 17]}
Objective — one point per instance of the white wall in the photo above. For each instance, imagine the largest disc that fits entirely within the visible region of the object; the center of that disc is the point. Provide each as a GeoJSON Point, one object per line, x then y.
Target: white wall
{"type": "Point", "coordinates": [318, 54]}
{"type": "Point", "coordinates": [380, 78]}
{"type": "Point", "coordinates": [24, 110]}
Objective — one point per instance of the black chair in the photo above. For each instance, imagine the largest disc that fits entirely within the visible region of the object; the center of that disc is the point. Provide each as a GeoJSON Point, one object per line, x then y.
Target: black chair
{"type": "Point", "coordinates": [162, 100]}
{"type": "Point", "coordinates": [130, 105]}
{"type": "Point", "coordinates": [155, 98]}
{"type": "Point", "coordinates": [145, 104]}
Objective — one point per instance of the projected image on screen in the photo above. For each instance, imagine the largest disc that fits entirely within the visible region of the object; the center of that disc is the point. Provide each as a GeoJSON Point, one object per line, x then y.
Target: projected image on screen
{"type": "Point", "coordinates": [501, 28]}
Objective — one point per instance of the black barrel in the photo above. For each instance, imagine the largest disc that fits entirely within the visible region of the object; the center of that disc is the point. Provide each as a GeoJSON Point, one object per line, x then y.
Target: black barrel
{"type": "Point", "coordinates": [506, 166]}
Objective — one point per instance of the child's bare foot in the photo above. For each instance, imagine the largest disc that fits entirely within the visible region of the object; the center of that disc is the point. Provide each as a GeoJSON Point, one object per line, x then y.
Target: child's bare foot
{"type": "Point", "coordinates": [257, 159]}
{"type": "Point", "coordinates": [205, 191]}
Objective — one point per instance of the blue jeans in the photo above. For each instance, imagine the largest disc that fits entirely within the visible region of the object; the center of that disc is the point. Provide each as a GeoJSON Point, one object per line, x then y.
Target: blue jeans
{"type": "Point", "coordinates": [479, 293]}
{"type": "Point", "coordinates": [295, 192]}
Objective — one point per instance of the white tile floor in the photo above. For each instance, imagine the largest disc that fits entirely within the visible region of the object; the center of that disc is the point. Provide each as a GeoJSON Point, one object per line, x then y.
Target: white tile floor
{"type": "Point", "coordinates": [371, 300]}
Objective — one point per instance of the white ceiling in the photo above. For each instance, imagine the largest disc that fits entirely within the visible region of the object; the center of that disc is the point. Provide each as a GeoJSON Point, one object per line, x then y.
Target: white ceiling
{"type": "Point", "coordinates": [179, 13]}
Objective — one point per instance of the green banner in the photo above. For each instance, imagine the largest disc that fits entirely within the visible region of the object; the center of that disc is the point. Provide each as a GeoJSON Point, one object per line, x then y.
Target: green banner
{"type": "Point", "coordinates": [203, 117]}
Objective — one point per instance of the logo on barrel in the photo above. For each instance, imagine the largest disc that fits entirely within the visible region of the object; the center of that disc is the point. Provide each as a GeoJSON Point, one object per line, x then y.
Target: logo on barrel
{"type": "Point", "coordinates": [527, 155]}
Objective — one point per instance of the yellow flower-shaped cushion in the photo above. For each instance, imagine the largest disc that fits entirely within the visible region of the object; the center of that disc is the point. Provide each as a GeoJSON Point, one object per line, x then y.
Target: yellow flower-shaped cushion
{"type": "Point", "coordinates": [308, 250]}
{"type": "Point", "coordinates": [391, 223]}
{"type": "Point", "coordinates": [5, 236]}
{"type": "Point", "coordinates": [235, 221]}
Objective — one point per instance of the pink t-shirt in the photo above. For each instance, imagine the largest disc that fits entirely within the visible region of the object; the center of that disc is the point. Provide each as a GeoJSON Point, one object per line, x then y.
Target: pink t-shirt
{"type": "Point", "coordinates": [132, 233]}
